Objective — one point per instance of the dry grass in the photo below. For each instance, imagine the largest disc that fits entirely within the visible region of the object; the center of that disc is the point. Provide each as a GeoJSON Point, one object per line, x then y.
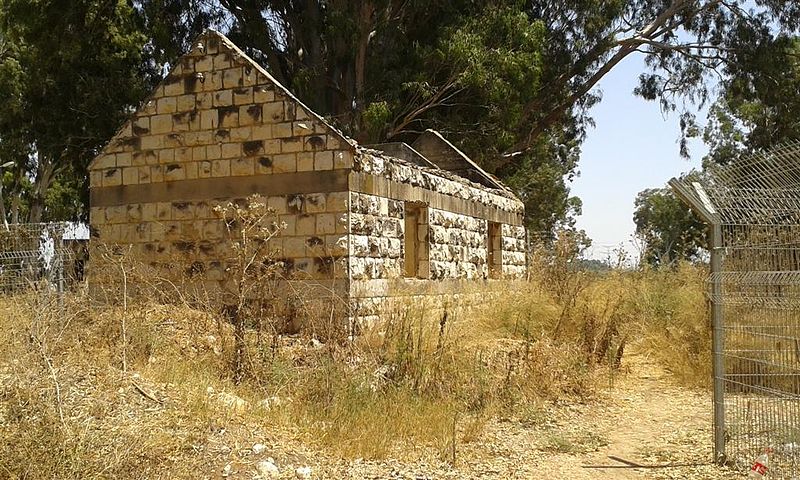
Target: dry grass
{"type": "Point", "coordinates": [82, 397]}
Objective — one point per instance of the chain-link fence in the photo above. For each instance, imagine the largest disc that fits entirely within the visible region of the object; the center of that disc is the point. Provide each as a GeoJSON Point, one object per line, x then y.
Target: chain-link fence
{"type": "Point", "coordinates": [41, 256]}
{"type": "Point", "coordinates": [753, 209]}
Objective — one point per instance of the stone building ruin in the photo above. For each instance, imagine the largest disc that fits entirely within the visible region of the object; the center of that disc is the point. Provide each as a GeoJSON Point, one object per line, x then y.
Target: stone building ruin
{"type": "Point", "coordinates": [219, 128]}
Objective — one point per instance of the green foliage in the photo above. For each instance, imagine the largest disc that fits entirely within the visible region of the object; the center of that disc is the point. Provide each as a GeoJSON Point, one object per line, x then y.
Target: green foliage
{"type": "Point", "coordinates": [668, 229]}
{"type": "Point", "coordinates": [511, 83]}
{"type": "Point", "coordinates": [72, 69]}
{"type": "Point", "coordinates": [760, 105]}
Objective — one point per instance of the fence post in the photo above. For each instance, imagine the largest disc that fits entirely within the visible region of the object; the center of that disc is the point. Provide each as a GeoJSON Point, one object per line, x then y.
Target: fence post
{"type": "Point", "coordinates": [698, 200]}
{"type": "Point", "coordinates": [717, 340]}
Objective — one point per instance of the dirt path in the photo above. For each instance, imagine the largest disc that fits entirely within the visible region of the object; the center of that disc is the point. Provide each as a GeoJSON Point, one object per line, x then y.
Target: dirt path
{"type": "Point", "coordinates": [643, 418]}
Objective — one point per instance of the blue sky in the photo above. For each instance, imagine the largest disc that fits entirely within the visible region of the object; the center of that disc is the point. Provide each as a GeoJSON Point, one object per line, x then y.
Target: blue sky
{"type": "Point", "coordinates": [633, 147]}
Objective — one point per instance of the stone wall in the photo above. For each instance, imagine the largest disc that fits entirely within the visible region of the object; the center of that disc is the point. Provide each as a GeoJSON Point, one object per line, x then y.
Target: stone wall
{"type": "Point", "coordinates": [376, 237]}
{"type": "Point", "coordinates": [454, 234]}
{"type": "Point", "coordinates": [458, 246]}
{"type": "Point", "coordinates": [514, 253]}
{"type": "Point", "coordinates": [218, 130]}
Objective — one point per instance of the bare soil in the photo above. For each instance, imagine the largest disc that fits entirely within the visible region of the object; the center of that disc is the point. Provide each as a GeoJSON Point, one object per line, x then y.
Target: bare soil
{"type": "Point", "coordinates": [641, 417]}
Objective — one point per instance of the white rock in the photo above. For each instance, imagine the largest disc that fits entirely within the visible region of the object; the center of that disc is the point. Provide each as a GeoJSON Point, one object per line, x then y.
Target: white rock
{"type": "Point", "coordinates": [226, 470]}
{"type": "Point", "coordinates": [258, 448]}
{"type": "Point", "coordinates": [232, 401]}
{"type": "Point", "coordinates": [303, 473]}
{"type": "Point", "coordinates": [267, 469]}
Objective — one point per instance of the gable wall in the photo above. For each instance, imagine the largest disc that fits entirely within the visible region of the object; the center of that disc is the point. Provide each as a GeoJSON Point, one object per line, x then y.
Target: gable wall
{"type": "Point", "coordinates": [216, 131]}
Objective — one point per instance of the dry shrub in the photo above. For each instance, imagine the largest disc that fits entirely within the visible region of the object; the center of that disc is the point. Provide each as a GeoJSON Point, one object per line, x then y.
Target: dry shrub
{"type": "Point", "coordinates": [76, 381]}
{"type": "Point", "coordinates": [672, 307]}
{"type": "Point", "coordinates": [67, 408]}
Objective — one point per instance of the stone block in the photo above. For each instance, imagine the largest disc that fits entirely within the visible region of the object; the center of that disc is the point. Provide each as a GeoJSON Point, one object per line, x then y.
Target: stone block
{"type": "Point", "coordinates": [291, 144]}
{"type": "Point", "coordinates": [326, 223]}
{"type": "Point", "coordinates": [204, 63]}
{"type": "Point", "coordinates": [124, 159]}
{"type": "Point", "coordinates": [95, 179]}
{"type": "Point", "coordinates": [221, 168]}
{"type": "Point", "coordinates": [105, 161]}
{"type": "Point", "coordinates": [315, 202]}
{"type": "Point", "coordinates": [144, 174]}
{"type": "Point", "coordinates": [306, 225]}
{"type": "Point", "coordinates": [228, 117]}
{"type": "Point", "coordinates": [288, 223]}
{"type": "Point", "coordinates": [294, 247]}
{"type": "Point", "coordinates": [271, 146]}
{"type": "Point", "coordinates": [149, 108]}
{"type": "Point", "coordinates": [263, 165]}
{"type": "Point", "coordinates": [173, 140]}
{"type": "Point", "coordinates": [166, 105]}
{"type": "Point", "coordinates": [342, 223]}
{"type": "Point", "coordinates": [242, 167]}
{"type": "Point", "coordinates": [342, 159]}
{"type": "Point", "coordinates": [262, 132]}
{"type": "Point", "coordinates": [302, 129]}
{"type": "Point", "coordinates": [262, 94]}
{"type": "Point", "coordinates": [282, 130]}
{"type": "Point", "coordinates": [232, 78]}
{"type": "Point", "coordinates": [112, 177]}
{"type": "Point", "coordinates": [183, 154]}
{"type": "Point", "coordinates": [285, 163]}
{"type": "Point", "coordinates": [115, 214]}
{"type": "Point", "coordinates": [185, 103]}
{"type": "Point", "coordinates": [301, 114]}
{"type": "Point", "coordinates": [214, 151]}
{"type": "Point", "coordinates": [337, 202]}
{"type": "Point", "coordinates": [277, 204]}
{"type": "Point", "coordinates": [209, 119]}
{"type": "Point", "coordinates": [212, 230]}
{"type": "Point", "coordinates": [221, 61]}
{"type": "Point", "coordinates": [174, 172]}
{"type": "Point", "coordinates": [130, 176]}
{"type": "Point", "coordinates": [243, 96]}
{"type": "Point", "coordinates": [182, 211]}
{"type": "Point", "coordinates": [305, 162]}
{"type": "Point", "coordinates": [164, 211]}
{"type": "Point", "coordinates": [204, 101]}
{"type": "Point", "coordinates": [223, 98]}
{"type": "Point", "coordinates": [273, 113]}
{"type": "Point", "coordinates": [323, 160]}
{"type": "Point", "coordinates": [166, 155]}
{"type": "Point", "coordinates": [153, 142]}
{"type": "Point", "coordinates": [191, 169]}
{"type": "Point", "coordinates": [231, 150]}
{"type": "Point", "coordinates": [173, 85]}
{"type": "Point", "coordinates": [149, 212]}
{"type": "Point", "coordinates": [240, 134]}
{"type": "Point", "coordinates": [204, 169]}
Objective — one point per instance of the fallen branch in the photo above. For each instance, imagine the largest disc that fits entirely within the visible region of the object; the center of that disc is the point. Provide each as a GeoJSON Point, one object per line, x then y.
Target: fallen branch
{"type": "Point", "coordinates": [146, 394]}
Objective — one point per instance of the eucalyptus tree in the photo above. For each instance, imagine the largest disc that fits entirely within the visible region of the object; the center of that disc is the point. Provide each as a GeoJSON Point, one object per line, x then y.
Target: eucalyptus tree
{"type": "Point", "coordinates": [70, 70]}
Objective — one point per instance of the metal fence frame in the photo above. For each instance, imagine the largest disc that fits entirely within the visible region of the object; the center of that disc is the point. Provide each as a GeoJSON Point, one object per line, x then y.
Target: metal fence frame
{"type": "Point", "coordinates": [34, 256]}
{"type": "Point", "coordinates": [752, 208]}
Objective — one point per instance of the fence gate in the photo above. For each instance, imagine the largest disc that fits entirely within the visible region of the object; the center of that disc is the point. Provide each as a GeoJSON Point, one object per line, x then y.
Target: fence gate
{"type": "Point", "coordinates": [752, 207]}
{"type": "Point", "coordinates": [37, 255]}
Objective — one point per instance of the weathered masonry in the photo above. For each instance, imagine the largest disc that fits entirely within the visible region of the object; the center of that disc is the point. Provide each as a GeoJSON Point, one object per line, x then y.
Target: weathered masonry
{"type": "Point", "coordinates": [219, 129]}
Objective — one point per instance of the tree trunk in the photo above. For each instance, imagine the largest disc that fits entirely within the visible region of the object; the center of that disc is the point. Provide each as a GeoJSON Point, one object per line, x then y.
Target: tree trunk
{"type": "Point", "coordinates": [3, 204]}
{"type": "Point", "coordinates": [45, 171]}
